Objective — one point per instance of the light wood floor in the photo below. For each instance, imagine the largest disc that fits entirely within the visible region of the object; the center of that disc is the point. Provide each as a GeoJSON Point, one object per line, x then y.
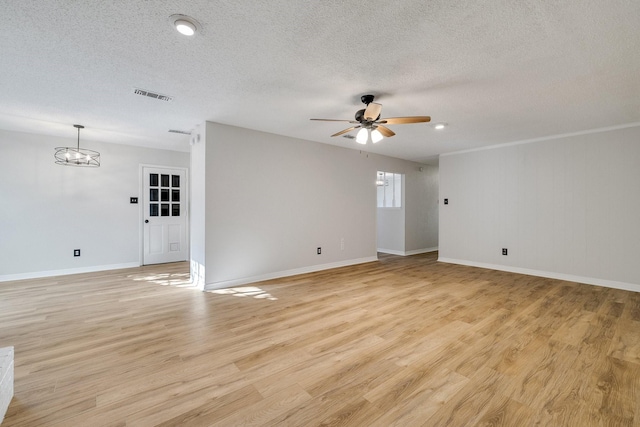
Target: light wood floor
{"type": "Point", "coordinates": [404, 341]}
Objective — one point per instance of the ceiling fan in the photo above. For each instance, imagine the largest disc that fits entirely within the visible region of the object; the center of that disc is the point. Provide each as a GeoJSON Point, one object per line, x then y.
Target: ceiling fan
{"type": "Point", "coordinates": [371, 126]}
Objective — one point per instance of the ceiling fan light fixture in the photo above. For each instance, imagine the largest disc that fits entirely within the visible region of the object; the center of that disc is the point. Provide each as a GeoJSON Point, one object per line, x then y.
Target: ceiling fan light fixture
{"type": "Point", "coordinates": [376, 136]}
{"type": "Point", "coordinates": [362, 136]}
{"type": "Point", "coordinates": [372, 127]}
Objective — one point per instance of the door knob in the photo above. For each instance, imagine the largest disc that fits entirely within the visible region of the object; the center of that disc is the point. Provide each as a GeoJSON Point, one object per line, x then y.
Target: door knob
{"type": "Point", "coordinates": [146, 221]}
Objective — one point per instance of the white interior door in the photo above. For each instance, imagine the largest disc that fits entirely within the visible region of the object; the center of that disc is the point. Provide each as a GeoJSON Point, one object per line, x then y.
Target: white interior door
{"type": "Point", "coordinates": [165, 215]}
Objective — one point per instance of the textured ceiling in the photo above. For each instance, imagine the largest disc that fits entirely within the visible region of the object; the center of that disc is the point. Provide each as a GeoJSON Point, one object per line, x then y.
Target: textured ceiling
{"type": "Point", "coordinates": [496, 71]}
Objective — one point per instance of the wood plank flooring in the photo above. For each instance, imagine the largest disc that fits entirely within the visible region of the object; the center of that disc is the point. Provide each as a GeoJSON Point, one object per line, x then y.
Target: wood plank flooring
{"type": "Point", "coordinates": [405, 341]}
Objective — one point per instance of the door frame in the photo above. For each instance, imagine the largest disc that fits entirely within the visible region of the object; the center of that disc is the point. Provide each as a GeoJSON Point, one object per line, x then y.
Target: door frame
{"type": "Point", "coordinates": [141, 212]}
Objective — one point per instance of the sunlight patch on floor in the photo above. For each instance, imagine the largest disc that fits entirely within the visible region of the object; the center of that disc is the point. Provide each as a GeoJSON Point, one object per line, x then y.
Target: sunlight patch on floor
{"type": "Point", "coordinates": [178, 280]}
{"type": "Point", "coordinates": [245, 291]}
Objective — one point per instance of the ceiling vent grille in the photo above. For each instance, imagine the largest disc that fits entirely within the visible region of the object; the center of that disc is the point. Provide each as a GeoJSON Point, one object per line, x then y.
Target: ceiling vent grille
{"type": "Point", "coordinates": [183, 132]}
{"type": "Point", "coordinates": [153, 95]}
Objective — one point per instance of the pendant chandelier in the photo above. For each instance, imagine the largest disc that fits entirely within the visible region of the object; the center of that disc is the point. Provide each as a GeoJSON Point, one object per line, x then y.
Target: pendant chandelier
{"type": "Point", "coordinates": [75, 156]}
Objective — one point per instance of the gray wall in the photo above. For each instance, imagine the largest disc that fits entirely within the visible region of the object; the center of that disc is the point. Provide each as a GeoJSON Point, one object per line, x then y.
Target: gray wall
{"type": "Point", "coordinates": [48, 210]}
{"type": "Point", "coordinates": [260, 206]}
{"type": "Point", "coordinates": [272, 200]}
{"type": "Point", "coordinates": [567, 208]}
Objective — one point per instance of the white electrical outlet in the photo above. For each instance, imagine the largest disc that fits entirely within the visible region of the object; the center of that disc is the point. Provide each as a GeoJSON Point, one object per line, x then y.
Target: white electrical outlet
{"type": "Point", "coordinates": [342, 244]}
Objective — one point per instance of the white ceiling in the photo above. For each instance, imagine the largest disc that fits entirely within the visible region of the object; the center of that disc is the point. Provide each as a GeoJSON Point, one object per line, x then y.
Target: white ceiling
{"type": "Point", "coordinates": [496, 71]}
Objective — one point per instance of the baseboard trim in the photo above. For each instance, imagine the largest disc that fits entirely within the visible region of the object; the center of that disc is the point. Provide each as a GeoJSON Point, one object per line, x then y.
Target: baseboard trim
{"type": "Point", "coordinates": [286, 273]}
{"type": "Point", "coordinates": [548, 274]}
{"type": "Point", "coordinates": [391, 252]}
{"type": "Point", "coordinates": [421, 251]}
{"type": "Point", "coordinates": [65, 272]}
{"type": "Point", "coordinates": [407, 253]}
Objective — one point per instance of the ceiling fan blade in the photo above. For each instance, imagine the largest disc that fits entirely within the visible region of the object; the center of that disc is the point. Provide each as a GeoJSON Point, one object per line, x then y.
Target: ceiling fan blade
{"type": "Point", "coordinates": [345, 131]}
{"type": "Point", "coordinates": [405, 120]}
{"type": "Point", "coordinates": [373, 111]}
{"type": "Point", "coordinates": [385, 131]}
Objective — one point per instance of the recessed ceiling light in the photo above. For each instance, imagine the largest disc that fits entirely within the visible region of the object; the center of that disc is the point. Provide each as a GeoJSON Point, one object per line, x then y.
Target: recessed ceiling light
{"type": "Point", "coordinates": [184, 24]}
{"type": "Point", "coordinates": [440, 126]}
{"type": "Point", "coordinates": [185, 27]}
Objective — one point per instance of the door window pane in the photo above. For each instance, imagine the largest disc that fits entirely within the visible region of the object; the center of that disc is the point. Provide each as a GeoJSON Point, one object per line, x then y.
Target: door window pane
{"type": "Point", "coordinates": [175, 195]}
{"type": "Point", "coordinates": [175, 209]}
{"type": "Point", "coordinates": [164, 180]}
{"type": "Point", "coordinates": [164, 195]}
{"type": "Point", "coordinates": [153, 209]}
{"type": "Point", "coordinates": [164, 209]}
{"type": "Point", "coordinates": [153, 194]}
{"type": "Point", "coordinates": [175, 181]}
{"type": "Point", "coordinates": [153, 179]}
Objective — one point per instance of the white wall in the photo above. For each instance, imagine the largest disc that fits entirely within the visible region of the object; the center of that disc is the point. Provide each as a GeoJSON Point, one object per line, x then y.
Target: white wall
{"type": "Point", "coordinates": [421, 219]}
{"type": "Point", "coordinates": [272, 200]}
{"type": "Point", "coordinates": [49, 210]}
{"type": "Point", "coordinates": [413, 228]}
{"type": "Point", "coordinates": [567, 208]}
{"type": "Point", "coordinates": [391, 229]}
{"type": "Point", "coordinates": [198, 208]}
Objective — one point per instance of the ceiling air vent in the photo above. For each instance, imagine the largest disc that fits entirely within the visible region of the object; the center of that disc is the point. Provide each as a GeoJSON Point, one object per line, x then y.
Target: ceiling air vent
{"type": "Point", "coordinates": [153, 95]}
{"type": "Point", "coordinates": [183, 132]}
